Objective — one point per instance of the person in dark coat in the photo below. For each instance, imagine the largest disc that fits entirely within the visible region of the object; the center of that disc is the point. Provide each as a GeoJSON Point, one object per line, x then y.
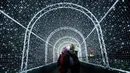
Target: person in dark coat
{"type": "Point", "coordinates": [63, 61]}
{"type": "Point", "coordinates": [75, 66]}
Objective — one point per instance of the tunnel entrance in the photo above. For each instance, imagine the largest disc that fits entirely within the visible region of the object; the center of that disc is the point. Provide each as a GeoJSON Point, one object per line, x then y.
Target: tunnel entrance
{"type": "Point", "coordinates": [93, 26]}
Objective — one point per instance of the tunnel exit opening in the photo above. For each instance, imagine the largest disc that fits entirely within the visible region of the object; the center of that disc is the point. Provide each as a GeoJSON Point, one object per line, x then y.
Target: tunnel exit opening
{"type": "Point", "coordinates": [65, 41]}
{"type": "Point", "coordinates": [68, 38]}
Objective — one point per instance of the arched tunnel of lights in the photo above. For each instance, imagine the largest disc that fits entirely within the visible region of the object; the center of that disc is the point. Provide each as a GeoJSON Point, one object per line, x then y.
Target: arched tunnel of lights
{"type": "Point", "coordinates": [62, 31]}
{"type": "Point", "coordinates": [57, 26]}
{"type": "Point", "coordinates": [65, 34]}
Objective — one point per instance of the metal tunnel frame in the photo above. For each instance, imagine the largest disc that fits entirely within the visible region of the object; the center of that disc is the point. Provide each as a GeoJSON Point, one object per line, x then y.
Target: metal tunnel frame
{"type": "Point", "coordinates": [55, 7]}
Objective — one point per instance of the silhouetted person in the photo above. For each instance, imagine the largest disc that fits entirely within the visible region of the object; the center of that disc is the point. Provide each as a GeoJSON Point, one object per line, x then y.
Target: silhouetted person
{"type": "Point", "coordinates": [63, 61]}
{"type": "Point", "coordinates": [74, 62]}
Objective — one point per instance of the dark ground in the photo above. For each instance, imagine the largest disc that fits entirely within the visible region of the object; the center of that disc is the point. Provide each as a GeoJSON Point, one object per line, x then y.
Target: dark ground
{"type": "Point", "coordinates": [85, 68]}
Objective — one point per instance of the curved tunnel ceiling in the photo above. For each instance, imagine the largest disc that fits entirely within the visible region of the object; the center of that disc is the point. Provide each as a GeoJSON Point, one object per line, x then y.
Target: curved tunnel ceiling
{"type": "Point", "coordinates": [69, 17]}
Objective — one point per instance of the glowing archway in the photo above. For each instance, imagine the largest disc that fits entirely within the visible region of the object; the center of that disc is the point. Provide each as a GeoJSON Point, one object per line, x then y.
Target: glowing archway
{"type": "Point", "coordinates": [64, 28]}
{"type": "Point", "coordinates": [66, 37]}
{"type": "Point", "coordinates": [55, 7]}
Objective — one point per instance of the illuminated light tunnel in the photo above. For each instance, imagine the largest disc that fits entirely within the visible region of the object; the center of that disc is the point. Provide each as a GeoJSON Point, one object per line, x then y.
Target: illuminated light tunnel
{"type": "Point", "coordinates": [32, 39]}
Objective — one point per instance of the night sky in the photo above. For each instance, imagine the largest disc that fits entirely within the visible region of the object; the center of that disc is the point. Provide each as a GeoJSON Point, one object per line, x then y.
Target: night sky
{"type": "Point", "coordinates": [115, 28]}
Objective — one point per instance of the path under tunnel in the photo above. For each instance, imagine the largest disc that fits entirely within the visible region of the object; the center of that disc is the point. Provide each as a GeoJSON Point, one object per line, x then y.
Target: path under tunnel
{"type": "Point", "coordinates": [84, 68]}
